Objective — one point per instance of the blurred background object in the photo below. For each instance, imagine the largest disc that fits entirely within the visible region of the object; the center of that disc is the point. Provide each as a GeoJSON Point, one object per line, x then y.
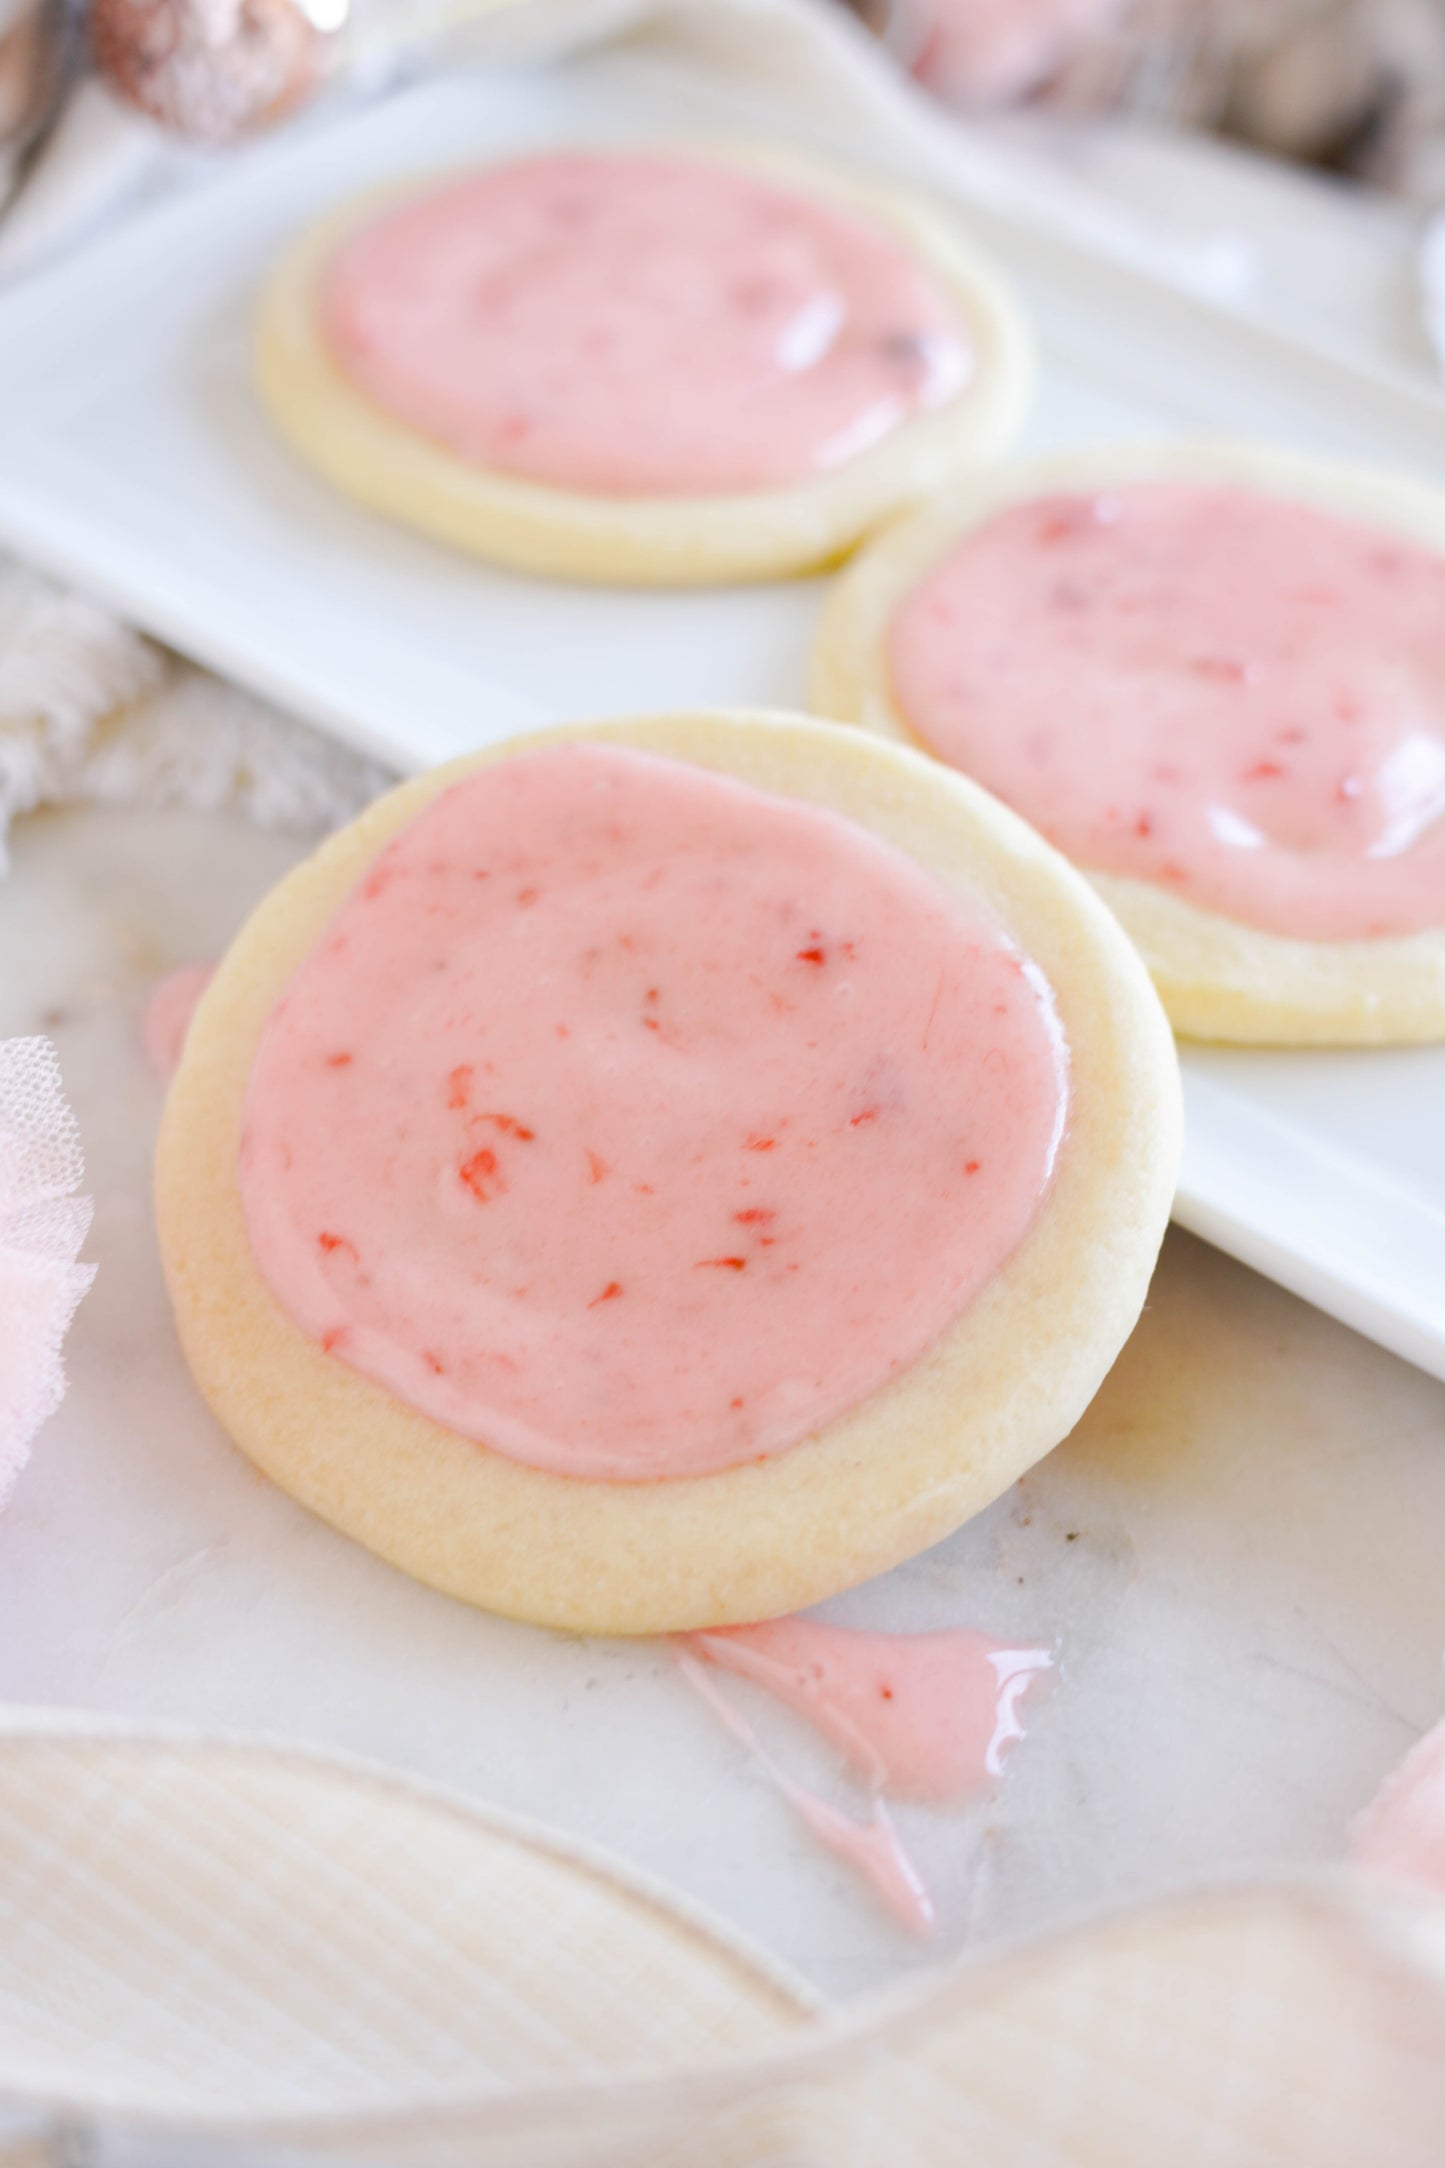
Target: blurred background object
{"type": "Point", "coordinates": [215, 70]}
{"type": "Point", "coordinates": [36, 40]}
{"type": "Point", "coordinates": [1355, 85]}
{"type": "Point", "coordinates": [1349, 87]}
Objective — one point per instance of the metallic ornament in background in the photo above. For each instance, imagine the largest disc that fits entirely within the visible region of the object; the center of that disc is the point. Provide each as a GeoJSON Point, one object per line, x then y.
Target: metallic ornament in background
{"type": "Point", "coordinates": [215, 70]}
{"type": "Point", "coordinates": [37, 42]}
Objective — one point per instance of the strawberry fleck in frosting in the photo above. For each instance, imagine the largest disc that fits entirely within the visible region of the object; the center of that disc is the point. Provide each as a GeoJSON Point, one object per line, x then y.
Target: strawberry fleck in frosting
{"type": "Point", "coordinates": [1234, 697]}
{"type": "Point", "coordinates": [168, 1014]}
{"type": "Point", "coordinates": [641, 325]}
{"type": "Point", "coordinates": [637, 1123]}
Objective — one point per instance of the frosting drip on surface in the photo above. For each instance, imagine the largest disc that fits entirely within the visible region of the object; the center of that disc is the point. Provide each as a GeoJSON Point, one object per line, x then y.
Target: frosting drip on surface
{"type": "Point", "coordinates": [637, 325]}
{"type": "Point", "coordinates": [1402, 1831]}
{"type": "Point", "coordinates": [917, 1716]}
{"type": "Point", "coordinates": [873, 1849]}
{"type": "Point", "coordinates": [637, 1123]}
{"type": "Point", "coordinates": [1237, 698]}
{"type": "Point", "coordinates": [921, 1716]}
{"type": "Point", "coordinates": [168, 1014]}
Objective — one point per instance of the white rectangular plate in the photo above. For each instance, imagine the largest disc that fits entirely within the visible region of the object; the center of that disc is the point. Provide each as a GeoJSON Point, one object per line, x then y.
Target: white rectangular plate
{"type": "Point", "coordinates": [154, 481]}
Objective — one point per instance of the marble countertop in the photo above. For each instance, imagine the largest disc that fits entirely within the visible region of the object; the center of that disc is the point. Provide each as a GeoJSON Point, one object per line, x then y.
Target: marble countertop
{"type": "Point", "coordinates": [1237, 1555]}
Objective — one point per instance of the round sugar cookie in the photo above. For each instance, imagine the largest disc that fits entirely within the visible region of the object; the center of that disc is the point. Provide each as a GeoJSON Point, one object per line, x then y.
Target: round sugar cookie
{"type": "Point", "coordinates": [669, 536]}
{"type": "Point", "coordinates": [882, 1479]}
{"type": "Point", "coordinates": [1221, 978]}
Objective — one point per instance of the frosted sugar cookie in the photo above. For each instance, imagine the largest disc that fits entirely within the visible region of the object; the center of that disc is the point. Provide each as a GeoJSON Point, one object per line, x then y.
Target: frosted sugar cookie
{"type": "Point", "coordinates": [1214, 676]}
{"type": "Point", "coordinates": [652, 366]}
{"type": "Point", "coordinates": [656, 1174]}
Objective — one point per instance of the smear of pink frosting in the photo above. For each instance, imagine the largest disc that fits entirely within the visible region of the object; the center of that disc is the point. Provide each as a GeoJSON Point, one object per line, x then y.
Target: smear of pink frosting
{"type": "Point", "coordinates": [168, 1016]}
{"type": "Point", "coordinates": [1402, 1832]}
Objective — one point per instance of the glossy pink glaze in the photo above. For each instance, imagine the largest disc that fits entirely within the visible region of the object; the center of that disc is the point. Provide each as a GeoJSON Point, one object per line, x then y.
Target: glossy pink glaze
{"type": "Point", "coordinates": [1402, 1832]}
{"type": "Point", "coordinates": [1237, 698]}
{"type": "Point", "coordinates": [589, 1124]}
{"type": "Point", "coordinates": [168, 1016]}
{"type": "Point", "coordinates": [636, 325]}
{"type": "Point", "coordinates": [873, 1849]}
{"type": "Point", "coordinates": [922, 1716]}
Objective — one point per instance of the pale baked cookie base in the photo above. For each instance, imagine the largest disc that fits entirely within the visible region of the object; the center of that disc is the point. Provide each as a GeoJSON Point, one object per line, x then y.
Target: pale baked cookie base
{"type": "Point", "coordinates": [1219, 978]}
{"type": "Point", "coordinates": [652, 541]}
{"type": "Point", "coordinates": [900, 1471]}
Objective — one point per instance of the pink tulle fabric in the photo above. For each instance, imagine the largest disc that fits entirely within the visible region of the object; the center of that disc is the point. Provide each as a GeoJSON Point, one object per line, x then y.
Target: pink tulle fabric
{"type": "Point", "coordinates": [42, 1225]}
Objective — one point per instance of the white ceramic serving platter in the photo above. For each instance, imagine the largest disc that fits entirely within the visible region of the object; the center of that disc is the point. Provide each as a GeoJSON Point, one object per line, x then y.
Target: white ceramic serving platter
{"type": "Point", "coordinates": [154, 481]}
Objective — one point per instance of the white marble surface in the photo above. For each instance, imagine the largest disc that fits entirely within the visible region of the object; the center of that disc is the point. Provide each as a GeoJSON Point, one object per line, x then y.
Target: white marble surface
{"type": "Point", "coordinates": [1238, 1555]}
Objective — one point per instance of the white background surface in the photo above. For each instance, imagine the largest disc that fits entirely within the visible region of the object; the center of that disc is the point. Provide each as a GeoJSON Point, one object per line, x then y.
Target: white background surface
{"type": "Point", "coordinates": [1237, 1555]}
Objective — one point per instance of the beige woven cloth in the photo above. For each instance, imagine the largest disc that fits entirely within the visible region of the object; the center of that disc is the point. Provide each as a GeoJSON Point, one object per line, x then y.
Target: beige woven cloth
{"type": "Point", "coordinates": [217, 1951]}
